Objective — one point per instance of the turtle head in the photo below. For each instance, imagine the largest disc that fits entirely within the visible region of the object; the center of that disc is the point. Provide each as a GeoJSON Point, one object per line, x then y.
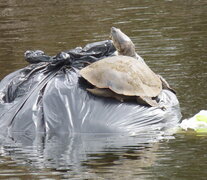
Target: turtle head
{"type": "Point", "coordinates": [122, 43]}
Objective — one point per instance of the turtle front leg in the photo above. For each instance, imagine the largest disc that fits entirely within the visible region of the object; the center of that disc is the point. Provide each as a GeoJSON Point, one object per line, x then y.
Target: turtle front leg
{"type": "Point", "coordinates": [144, 100]}
{"type": "Point", "coordinates": [165, 84]}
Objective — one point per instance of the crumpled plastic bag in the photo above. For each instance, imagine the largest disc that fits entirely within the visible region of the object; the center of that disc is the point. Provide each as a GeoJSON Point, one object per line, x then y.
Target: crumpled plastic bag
{"type": "Point", "coordinates": [48, 96]}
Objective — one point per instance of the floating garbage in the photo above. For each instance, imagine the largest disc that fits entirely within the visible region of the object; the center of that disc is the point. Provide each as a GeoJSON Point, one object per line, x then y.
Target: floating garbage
{"type": "Point", "coordinates": [49, 96]}
{"type": "Point", "coordinates": [197, 123]}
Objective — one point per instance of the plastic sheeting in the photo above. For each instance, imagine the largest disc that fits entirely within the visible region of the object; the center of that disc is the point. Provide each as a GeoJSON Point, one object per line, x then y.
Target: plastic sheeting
{"type": "Point", "coordinates": [49, 96]}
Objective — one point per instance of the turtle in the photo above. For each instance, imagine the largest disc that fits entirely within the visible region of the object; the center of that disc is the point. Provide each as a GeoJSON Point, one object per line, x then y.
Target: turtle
{"type": "Point", "coordinates": [125, 76]}
{"type": "Point", "coordinates": [125, 46]}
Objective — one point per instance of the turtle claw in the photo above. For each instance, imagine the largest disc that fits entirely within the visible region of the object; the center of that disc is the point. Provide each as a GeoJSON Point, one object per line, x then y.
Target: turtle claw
{"type": "Point", "coordinates": [163, 108]}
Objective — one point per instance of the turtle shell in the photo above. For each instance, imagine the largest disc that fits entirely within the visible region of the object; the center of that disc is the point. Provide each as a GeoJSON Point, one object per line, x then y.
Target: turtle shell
{"type": "Point", "coordinates": [123, 75]}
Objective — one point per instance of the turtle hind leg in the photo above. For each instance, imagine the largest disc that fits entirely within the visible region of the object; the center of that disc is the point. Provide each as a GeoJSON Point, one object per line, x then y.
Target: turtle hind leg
{"type": "Point", "coordinates": [105, 93]}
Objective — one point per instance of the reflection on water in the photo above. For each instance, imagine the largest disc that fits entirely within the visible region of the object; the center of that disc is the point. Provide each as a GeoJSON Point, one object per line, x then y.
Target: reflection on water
{"type": "Point", "coordinates": [102, 156]}
{"type": "Point", "coordinates": [171, 35]}
{"type": "Point", "coordinates": [80, 155]}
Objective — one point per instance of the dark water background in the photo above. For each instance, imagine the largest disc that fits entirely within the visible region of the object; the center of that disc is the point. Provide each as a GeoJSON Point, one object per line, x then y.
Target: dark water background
{"type": "Point", "coordinates": [171, 35]}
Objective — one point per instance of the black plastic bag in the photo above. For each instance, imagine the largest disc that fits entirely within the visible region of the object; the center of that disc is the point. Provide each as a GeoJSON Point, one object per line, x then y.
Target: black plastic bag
{"type": "Point", "coordinates": [47, 96]}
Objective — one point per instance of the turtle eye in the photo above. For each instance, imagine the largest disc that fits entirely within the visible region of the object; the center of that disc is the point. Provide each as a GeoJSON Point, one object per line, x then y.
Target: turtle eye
{"type": "Point", "coordinates": [113, 29]}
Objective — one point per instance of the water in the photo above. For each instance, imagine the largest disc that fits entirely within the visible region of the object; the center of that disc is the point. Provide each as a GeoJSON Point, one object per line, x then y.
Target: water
{"type": "Point", "coordinates": [170, 35]}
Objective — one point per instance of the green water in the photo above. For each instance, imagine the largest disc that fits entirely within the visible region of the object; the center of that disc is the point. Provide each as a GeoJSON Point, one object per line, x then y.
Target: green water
{"type": "Point", "coordinates": [171, 35]}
